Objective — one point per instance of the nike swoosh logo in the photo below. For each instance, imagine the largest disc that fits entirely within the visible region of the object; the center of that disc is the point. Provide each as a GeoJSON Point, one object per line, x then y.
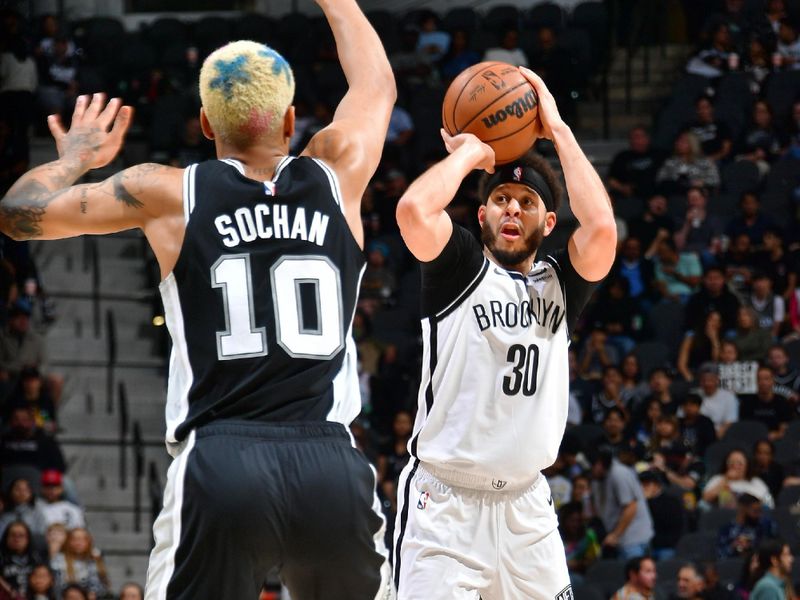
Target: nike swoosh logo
{"type": "Point", "coordinates": [550, 501]}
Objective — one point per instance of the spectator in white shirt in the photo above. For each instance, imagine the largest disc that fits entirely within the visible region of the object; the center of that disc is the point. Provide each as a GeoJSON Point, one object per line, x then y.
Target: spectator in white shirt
{"type": "Point", "coordinates": [789, 45]}
{"type": "Point", "coordinates": [55, 508]}
{"type": "Point", "coordinates": [719, 405]}
{"type": "Point", "coordinates": [508, 51]}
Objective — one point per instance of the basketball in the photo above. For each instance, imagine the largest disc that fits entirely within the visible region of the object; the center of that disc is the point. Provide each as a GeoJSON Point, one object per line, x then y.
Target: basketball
{"type": "Point", "coordinates": [493, 101]}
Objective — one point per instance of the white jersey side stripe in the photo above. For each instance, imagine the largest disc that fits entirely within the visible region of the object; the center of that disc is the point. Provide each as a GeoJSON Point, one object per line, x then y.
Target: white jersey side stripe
{"type": "Point", "coordinates": [463, 295]}
{"type": "Point", "coordinates": [334, 181]}
{"type": "Point", "coordinates": [188, 191]}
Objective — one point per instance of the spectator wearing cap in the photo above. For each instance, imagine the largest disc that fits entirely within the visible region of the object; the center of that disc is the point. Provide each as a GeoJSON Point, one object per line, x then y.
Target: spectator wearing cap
{"type": "Point", "coordinates": [697, 431]}
{"type": "Point", "coordinates": [26, 444]}
{"type": "Point", "coordinates": [667, 513]}
{"type": "Point", "coordinates": [767, 406]}
{"type": "Point", "coordinates": [735, 477]}
{"type": "Point", "coordinates": [714, 295]}
{"type": "Point", "coordinates": [621, 506]}
{"type": "Point", "coordinates": [56, 508]}
{"type": "Point", "coordinates": [748, 529]}
{"type": "Point", "coordinates": [721, 406]}
{"type": "Point", "coordinates": [626, 449]}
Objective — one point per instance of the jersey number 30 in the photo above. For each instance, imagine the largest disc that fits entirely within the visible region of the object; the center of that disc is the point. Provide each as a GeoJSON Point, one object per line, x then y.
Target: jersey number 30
{"type": "Point", "coordinates": [524, 371]}
{"type": "Point", "coordinates": [300, 286]}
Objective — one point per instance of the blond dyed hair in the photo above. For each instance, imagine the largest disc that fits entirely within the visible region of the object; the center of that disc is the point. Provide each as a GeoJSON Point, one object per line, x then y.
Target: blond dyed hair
{"type": "Point", "coordinates": [246, 89]}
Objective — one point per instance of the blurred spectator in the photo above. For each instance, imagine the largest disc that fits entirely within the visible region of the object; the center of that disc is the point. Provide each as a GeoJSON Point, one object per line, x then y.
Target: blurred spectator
{"type": "Point", "coordinates": [412, 67]}
{"type": "Point", "coordinates": [757, 63]}
{"type": "Point", "coordinates": [621, 506]}
{"type": "Point", "coordinates": [13, 163]}
{"type": "Point", "coordinates": [51, 30]}
{"type": "Point", "coordinates": [608, 396]}
{"type": "Point", "coordinates": [712, 61]}
{"type": "Point", "coordinates": [761, 143]}
{"type": "Point", "coordinates": [17, 557]}
{"type": "Point", "coordinates": [580, 392]}
{"type": "Point", "coordinates": [793, 132]}
{"type": "Point", "coordinates": [721, 406]}
{"type": "Point", "coordinates": [775, 13]}
{"type": "Point", "coordinates": [75, 592]}
{"type": "Point", "coordinates": [20, 346]}
{"type": "Point", "coordinates": [31, 392]}
{"type": "Point", "coordinates": [618, 315]}
{"type": "Point", "coordinates": [597, 355]}
{"type": "Point", "coordinates": [394, 456]}
{"type": "Point", "coordinates": [555, 66]}
{"type": "Point", "coordinates": [660, 382]}
{"type": "Point", "coordinates": [766, 467]}
{"type": "Point", "coordinates": [667, 512]}
{"type": "Point", "coordinates": [714, 135]}
{"type": "Point", "coordinates": [632, 174]}
{"type": "Point", "coordinates": [669, 453]}
{"type": "Point", "coordinates": [712, 296]}
{"type": "Point", "coordinates": [788, 45]}
{"type": "Point", "coordinates": [22, 505]}
{"type": "Point", "coordinates": [655, 221]}
{"type": "Point", "coordinates": [26, 444]}
{"type": "Point", "coordinates": [748, 529]}
{"type": "Point", "coordinates": [640, 575]}
{"type": "Point", "coordinates": [689, 584]}
{"type": "Point", "coordinates": [735, 478]}
{"type": "Point", "coordinates": [785, 373]}
{"type": "Point", "coordinates": [699, 232]}
{"type": "Point", "coordinates": [769, 308]}
{"type": "Point", "coordinates": [558, 480]}
{"type": "Point", "coordinates": [582, 494]}
{"type": "Point", "coordinates": [772, 409]}
{"type": "Point", "coordinates": [41, 583]}
{"type": "Point", "coordinates": [697, 430]}
{"type": "Point", "coordinates": [677, 273]}
{"type": "Point", "coordinates": [639, 271]}
{"type": "Point", "coordinates": [433, 42]}
{"type": "Point", "coordinates": [751, 222]}
{"type": "Point", "coordinates": [581, 543]}
{"type": "Point", "coordinates": [508, 50]}
{"type": "Point", "coordinates": [56, 537]}
{"type": "Point", "coordinates": [737, 376]}
{"type": "Point", "coordinates": [752, 342]}
{"type": "Point", "coordinates": [738, 263]}
{"type": "Point", "coordinates": [401, 127]}
{"type": "Point", "coordinates": [775, 561]}
{"type": "Point", "coordinates": [18, 83]}
{"type": "Point", "coordinates": [131, 591]}
{"type": "Point", "coordinates": [700, 346]}
{"type": "Point", "coordinates": [58, 78]}
{"type": "Point", "coordinates": [634, 389]}
{"type": "Point", "coordinates": [55, 507]}
{"type": "Point", "coordinates": [460, 56]}
{"type": "Point", "coordinates": [777, 264]}
{"type": "Point", "coordinates": [625, 449]}
{"type": "Point", "coordinates": [81, 563]}
{"type": "Point", "coordinates": [642, 427]}
{"type": "Point", "coordinates": [193, 146]}
{"type": "Point", "coordinates": [687, 167]}
{"type": "Point", "coordinates": [734, 16]}
{"type": "Point", "coordinates": [379, 283]}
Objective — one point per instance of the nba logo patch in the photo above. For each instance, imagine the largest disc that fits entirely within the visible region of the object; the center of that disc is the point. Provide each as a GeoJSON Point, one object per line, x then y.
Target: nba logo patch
{"type": "Point", "coordinates": [422, 503]}
{"type": "Point", "coordinates": [518, 174]}
{"type": "Point", "coordinates": [269, 188]}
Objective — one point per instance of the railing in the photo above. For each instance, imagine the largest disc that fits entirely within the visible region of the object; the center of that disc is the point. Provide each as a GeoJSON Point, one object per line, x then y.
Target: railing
{"type": "Point", "coordinates": [648, 22]}
{"type": "Point", "coordinates": [123, 435]}
{"type": "Point", "coordinates": [138, 473]}
{"type": "Point", "coordinates": [111, 359]}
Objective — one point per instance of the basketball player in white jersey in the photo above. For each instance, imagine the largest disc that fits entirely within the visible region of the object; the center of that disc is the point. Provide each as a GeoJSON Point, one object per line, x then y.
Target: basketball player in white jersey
{"type": "Point", "coordinates": [475, 516]}
{"type": "Point", "coordinates": [260, 255]}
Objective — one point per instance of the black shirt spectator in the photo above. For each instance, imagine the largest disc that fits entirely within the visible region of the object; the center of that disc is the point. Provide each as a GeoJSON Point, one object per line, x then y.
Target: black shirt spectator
{"type": "Point", "coordinates": [747, 530]}
{"type": "Point", "coordinates": [633, 171]}
{"type": "Point", "coordinates": [776, 263]}
{"type": "Point", "coordinates": [751, 222]}
{"type": "Point", "coordinates": [713, 296]}
{"type": "Point", "coordinates": [761, 141]}
{"type": "Point", "coordinates": [699, 231]}
{"type": "Point", "coordinates": [714, 135]}
{"type": "Point", "coordinates": [765, 466]}
{"type": "Point", "coordinates": [654, 219]}
{"type": "Point", "coordinates": [667, 513]}
{"type": "Point", "coordinates": [697, 430]}
{"type": "Point", "coordinates": [27, 444]}
{"type": "Point", "coordinates": [639, 271]}
{"type": "Point", "coordinates": [772, 409]}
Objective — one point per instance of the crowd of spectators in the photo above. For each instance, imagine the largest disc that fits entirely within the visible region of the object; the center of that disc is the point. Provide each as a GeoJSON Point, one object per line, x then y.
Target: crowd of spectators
{"type": "Point", "coordinates": [683, 439]}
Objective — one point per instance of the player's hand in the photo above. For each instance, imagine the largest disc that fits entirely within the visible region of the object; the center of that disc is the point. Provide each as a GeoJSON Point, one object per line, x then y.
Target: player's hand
{"type": "Point", "coordinates": [96, 133]}
{"type": "Point", "coordinates": [482, 153]}
{"type": "Point", "coordinates": [549, 117]}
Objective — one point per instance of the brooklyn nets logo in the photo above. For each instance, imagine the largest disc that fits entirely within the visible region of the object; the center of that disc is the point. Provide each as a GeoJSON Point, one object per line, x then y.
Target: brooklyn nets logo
{"type": "Point", "coordinates": [498, 484]}
{"type": "Point", "coordinates": [565, 594]}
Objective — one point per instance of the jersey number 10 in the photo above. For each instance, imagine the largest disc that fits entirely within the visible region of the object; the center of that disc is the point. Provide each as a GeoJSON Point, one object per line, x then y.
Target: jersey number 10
{"type": "Point", "coordinates": [312, 282]}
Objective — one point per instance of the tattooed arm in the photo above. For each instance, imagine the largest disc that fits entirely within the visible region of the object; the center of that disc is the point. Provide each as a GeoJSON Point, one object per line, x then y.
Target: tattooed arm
{"type": "Point", "coordinates": [45, 204]}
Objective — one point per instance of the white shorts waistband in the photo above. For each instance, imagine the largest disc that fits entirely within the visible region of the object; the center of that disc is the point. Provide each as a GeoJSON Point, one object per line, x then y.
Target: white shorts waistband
{"type": "Point", "coordinates": [478, 482]}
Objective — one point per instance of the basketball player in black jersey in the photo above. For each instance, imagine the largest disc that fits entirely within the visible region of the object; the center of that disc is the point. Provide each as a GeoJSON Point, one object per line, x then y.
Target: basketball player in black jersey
{"type": "Point", "coordinates": [260, 256]}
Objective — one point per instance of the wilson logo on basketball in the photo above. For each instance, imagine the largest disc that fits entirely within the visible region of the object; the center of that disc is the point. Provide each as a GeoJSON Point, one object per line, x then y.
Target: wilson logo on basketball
{"type": "Point", "coordinates": [516, 109]}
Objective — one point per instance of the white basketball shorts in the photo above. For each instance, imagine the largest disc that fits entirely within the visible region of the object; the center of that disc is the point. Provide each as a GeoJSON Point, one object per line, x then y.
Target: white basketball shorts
{"type": "Point", "coordinates": [454, 542]}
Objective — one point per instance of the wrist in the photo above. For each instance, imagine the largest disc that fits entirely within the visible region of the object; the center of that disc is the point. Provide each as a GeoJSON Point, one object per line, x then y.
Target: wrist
{"type": "Point", "coordinates": [562, 134]}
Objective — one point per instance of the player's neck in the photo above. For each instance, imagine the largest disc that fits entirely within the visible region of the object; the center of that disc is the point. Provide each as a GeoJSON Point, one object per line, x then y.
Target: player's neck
{"type": "Point", "coordinates": [260, 161]}
{"type": "Point", "coordinates": [522, 268]}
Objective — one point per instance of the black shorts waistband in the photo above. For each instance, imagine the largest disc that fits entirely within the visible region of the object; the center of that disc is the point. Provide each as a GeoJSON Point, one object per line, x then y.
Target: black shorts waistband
{"type": "Point", "coordinates": [293, 430]}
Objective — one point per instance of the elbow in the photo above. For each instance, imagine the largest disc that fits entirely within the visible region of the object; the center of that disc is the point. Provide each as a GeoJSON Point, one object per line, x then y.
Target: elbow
{"type": "Point", "coordinates": [407, 212]}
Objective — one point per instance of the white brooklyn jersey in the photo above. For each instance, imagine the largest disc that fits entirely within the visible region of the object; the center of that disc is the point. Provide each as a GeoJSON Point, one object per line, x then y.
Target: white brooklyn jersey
{"type": "Point", "coordinates": [495, 384]}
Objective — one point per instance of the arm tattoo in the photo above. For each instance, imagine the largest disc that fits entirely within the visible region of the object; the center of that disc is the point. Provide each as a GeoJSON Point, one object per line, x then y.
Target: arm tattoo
{"type": "Point", "coordinates": [23, 208]}
{"type": "Point", "coordinates": [123, 195]}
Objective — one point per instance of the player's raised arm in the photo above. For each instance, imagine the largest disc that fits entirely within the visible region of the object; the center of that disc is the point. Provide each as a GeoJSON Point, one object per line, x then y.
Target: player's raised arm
{"type": "Point", "coordinates": [421, 216]}
{"type": "Point", "coordinates": [353, 143]}
{"type": "Point", "coordinates": [45, 204]}
{"type": "Point", "coordinates": [593, 245]}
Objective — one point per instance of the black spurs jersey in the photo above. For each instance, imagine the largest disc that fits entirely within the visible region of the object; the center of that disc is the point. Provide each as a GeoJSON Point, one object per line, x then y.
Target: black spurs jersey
{"type": "Point", "coordinates": [261, 300]}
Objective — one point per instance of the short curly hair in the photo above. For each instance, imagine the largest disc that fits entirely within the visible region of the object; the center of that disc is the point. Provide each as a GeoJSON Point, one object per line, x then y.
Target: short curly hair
{"type": "Point", "coordinates": [246, 89]}
{"type": "Point", "coordinates": [539, 164]}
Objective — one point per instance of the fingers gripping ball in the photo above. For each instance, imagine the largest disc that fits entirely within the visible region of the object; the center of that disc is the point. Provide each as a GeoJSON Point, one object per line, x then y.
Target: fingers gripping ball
{"type": "Point", "coordinates": [493, 101]}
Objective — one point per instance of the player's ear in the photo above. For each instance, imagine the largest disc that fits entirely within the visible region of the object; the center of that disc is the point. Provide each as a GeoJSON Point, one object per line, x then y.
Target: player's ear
{"type": "Point", "coordinates": [205, 125]}
{"type": "Point", "coordinates": [481, 213]}
{"type": "Point", "coordinates": [549, 222]}
{"type": "Point", "coordinates": [288, 123]}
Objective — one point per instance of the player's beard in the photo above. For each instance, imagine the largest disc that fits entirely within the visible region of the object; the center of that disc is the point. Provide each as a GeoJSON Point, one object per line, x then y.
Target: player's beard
{"type": "Point", "coordinates": [512, 258]}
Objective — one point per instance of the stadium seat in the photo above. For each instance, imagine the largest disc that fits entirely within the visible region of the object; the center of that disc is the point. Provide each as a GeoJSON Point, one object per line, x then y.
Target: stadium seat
{"type": "Point", "coordinates": [778, 206]}
{"type": "Point", "coordinates": [787, 451]}
{"type": "Point", "coordinates": [385, 24]}
{"type": "Point", "coordinates": [713, 519]}
{"type": "Point", "coordinates": [793, 432]}
{"type": "Point", "coordinates": [587, 592]}
{"type": "Point", "coordinates": [136, 57]}
{"type": "Point", "coordinates": [606, 575]}
{"type": "Point", "coordinates": [166, 31]}
{"type": "Point", "coordinates": [789, 496]}
{"type": "Point", "coordinates": [699, 545]}
{"type": "Point", "coordinates": [783, 177]}
{"type": "Point", "coordinates": [256, 27]}
{"type": "Point", "coordinates": [651, 355]}
{"type": "Point", "coordinates": [462, 18]}
{"type": "Point", "coordinates": [501, 17]}
{"type": "Point", "coordinates": [781, 91]}
{"type": "Point", "coordinates": [211, 33]}
{"type": "Point", "coordinates": [663, 318]}
{"type": "Point", "coordinates": [717, 452]}
{"type": "Point", "coordinates": [734, 89]}
{"type": "Point", "coordinates": [587, 434]}
{"type": "Point", "coordinates": [592, 16]}
{"type": "Point", "coordinates": [788, 520]}
{"type": "Point", "coordinates": [722, 205]}
{"type": "Point", "coordinates": [546, 14]}
{"type": "Point", "coordinates": [729, 570]}
{"type": "Point", "coordinates": [739, 177]}
{"type": "Point", "coordinates": [746, 433]}
{"type": "Point", "coordinates": [10, 473]}
{"type": "Point", "coordinates": [667, 569]}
